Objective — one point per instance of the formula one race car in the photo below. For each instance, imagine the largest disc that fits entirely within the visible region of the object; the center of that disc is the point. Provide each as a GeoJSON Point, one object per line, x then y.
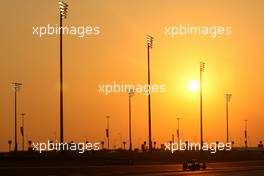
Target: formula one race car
{"type": "Point", "coordinates": [193, 165]}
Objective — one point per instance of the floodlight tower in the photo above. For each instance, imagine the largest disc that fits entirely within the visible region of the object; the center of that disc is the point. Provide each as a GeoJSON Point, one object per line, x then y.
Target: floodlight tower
{"type": "Point", "coordinates": [16, 87]}
{"type": "Point", "coordinates": [178, 131]}
{"type": "Point", "coordinates": [246, 134]}
{"type": "Point", "coordinates": [130, 94]}
{"type": "Point", "coordinates": [63, 14]}
{"type": "Point", "coordinates": [149, 45]}
{"type": "Point", "coordinates": [23, 130]}
{"type": "Point", "coordinates": [228, 99]}
{"type": "Point", "coordinates": [202, 65]}
{"type": "Point", "coordinates": [107, 131]}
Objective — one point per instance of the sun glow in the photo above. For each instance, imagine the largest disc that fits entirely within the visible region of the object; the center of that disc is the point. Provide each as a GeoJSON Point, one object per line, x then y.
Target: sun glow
{"type": "Point", "coordinates": [193, 85]}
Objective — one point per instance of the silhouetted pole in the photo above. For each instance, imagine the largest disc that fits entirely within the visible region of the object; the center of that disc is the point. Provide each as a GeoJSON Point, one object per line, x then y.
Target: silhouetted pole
{"type": "Point", "coordinates": [120, 139]}
{"type": "Point", "coordinates": [130, 94]}
{"type": "Point", "coordinates": [102, 143]}
{"type": "Point", "coordinates": [228, 98]}
{"type": "Point", "coordinates": [16, 121]}
{"type": "Point", "coordinates": [124, 143]}
{"type": "Point", "coordinates": [23, 131]}
{"type": "Point", "coordinates": [16, 87]}
{"type": "Point", "coordinates": [107, 132]}
{"type": "Point", "coordinates": [9, 145]}
{"type": "Point", "coordinates": [178, 131]}
{"type": "Point", "coordinates": [149, 45]}
{"type": "Point", "coordinates": [63, 14]}
{"type": "Point", "coordinates": [202, 64]}
{"type": "Point", "coordinates": [246, 135]}
{"type": "Point", "coordinates": [29, 145]}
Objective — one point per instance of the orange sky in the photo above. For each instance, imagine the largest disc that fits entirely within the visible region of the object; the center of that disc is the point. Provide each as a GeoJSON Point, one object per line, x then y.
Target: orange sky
{"type": "Point", "coordinates": [234, 64]}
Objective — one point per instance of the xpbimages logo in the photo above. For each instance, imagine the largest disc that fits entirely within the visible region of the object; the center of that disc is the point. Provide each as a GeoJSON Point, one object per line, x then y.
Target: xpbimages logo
{"type": "Point", "coordinates": [193, 146]}
{"type": "Point", "coordinates": [80, 147]}
{"type": "Point", "coordinates": [131, 88]}
{"type": "Point", "coordinates": [80, 31]}
{"type": "Point", "coordinates": [202, 30]}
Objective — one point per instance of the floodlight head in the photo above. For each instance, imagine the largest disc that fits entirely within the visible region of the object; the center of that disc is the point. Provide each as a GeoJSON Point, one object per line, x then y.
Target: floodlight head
{"type": "Point", "coordinates": [202, 65]}
{"type": "Point", "coordinates": [130, 92]}
{"type": "Point", "coordinates": [63, 8]}
{"type": "Point", "coordinates": [228, 97]}
{"type": "Point", "coordinates": [150, 41]}
{"type": "Point", "coordinates": [16, 86]}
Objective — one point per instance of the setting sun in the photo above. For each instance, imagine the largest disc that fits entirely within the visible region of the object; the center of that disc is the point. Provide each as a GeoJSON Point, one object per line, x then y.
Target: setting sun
{"type": "Point", "coordinates": [193, 85]}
